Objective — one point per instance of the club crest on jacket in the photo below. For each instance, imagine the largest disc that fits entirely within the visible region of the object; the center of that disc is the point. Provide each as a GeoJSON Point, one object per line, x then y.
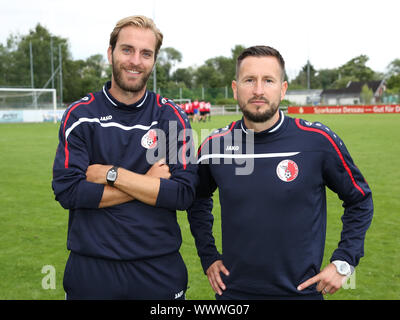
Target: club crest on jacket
{"type": "Point", "coordinates": [149, 140]}
{"type": "Point", "coordinates": [287, 170]}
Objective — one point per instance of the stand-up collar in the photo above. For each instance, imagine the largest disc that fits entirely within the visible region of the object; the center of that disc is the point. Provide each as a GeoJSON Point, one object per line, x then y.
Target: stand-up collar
{"type": "Point", "coordinates": [114, 102]}
{"type": "Point", "coordinates": [277, 127]}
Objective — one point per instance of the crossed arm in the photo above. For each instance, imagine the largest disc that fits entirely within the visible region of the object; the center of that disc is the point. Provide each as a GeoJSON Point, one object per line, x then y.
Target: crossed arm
{"type": "Point", "coordinates": [129, 185]}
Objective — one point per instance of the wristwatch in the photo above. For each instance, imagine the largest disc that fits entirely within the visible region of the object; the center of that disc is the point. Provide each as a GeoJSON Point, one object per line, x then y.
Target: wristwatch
{"type": "Point", "coordinates": [112, 175]}
{"type": "Point", "coordinates": [343, 268]}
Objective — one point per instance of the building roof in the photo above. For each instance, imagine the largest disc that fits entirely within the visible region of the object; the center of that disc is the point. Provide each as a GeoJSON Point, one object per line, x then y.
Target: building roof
{"type": "Point", "coordinates": [353, 88]}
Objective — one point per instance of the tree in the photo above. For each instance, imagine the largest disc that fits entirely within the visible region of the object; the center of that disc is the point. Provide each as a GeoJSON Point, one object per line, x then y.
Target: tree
{"type": "Point", "coordinates": [166, 61]}
{"type": "Point", "coordinates": [207, 76]}
{"type": "Point", "coordinates": [326, 77]}
{"type": "Point", "coordinates": [356, 70]}
{"type": "Point", "coordinates": [236, 51]}
{"type": "Point", "coordinates": [5, 61]}
{"type": "Point", "coordinates": [301, 81]}
{"type": "Point", "coordinates": [86, 76]}
{"type": "Point", "coordinates": [16, 56]}
{"type": "Point", "coordinates": [41, 52]}
{"type": "Point", "coordinates": [366, 94]}
{"type": "Point", "coordinates": [79, 77]}
{"type": "Point", "coordinates": [184, 75]}
{"type": "Point", "coordinates": [218, 72]}
{"type": "Point", "coordinates": [393, 81]}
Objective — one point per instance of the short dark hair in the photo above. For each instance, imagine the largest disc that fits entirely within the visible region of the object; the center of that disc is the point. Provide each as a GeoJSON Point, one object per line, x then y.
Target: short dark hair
{"type": "Point", "coordinates": [261, 51]}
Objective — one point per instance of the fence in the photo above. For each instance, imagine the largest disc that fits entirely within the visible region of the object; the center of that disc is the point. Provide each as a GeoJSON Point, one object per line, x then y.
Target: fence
{"type": "Point", "coordinates": [232, 109]}
{"type": "Point", "coordinates": [225, 110]}
{"type": "Point", "coordinates": [202, 94]}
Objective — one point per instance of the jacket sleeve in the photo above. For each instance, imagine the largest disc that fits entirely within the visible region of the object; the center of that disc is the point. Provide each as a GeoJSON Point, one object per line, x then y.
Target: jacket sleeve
{"type": "Point", "coordinates": [177, 192]}
{"type": "Point", "coordinates": [201, 219]}
{"type": "Point", "coordinates": [69, 183]}
{"type": "Point", "coordinates": [343, 177]}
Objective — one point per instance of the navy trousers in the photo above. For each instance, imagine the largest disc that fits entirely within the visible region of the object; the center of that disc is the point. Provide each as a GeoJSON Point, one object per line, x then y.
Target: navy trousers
{"type": "Point", "coordinates": [160, 278]}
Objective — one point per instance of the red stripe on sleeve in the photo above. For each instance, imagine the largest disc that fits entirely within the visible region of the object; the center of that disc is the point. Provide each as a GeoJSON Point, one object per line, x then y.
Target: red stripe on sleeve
{"type": "Point", "coordinates": [65, 123]}
{"type": "Point", "coordinates": [336, 149]}
{"type": "Point", "coordinates": [158, 100]}
{"type": "Point", "coordinates": [215, 136]}
{"type": "Point", "coordinates": [184, 134]}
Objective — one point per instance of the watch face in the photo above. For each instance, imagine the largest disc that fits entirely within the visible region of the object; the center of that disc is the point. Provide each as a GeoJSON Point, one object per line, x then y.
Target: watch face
{"type": "Point", "coordinates": [344, 268]}
{"type": "Point", "coordinates": [111, 175]}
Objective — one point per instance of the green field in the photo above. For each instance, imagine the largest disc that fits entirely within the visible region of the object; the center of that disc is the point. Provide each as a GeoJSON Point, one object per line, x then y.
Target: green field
{"type": "Point", "coordinates": [33, 225]}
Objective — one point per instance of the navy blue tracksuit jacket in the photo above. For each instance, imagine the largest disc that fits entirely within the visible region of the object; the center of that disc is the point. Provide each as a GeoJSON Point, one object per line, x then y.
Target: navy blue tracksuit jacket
{"type": "Point", "coordinates": [100, 130]}
{"type": "Point", "coordinates": [273, 205]}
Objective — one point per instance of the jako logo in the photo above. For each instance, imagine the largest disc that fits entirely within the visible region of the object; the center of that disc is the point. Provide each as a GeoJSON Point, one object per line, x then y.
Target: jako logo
{"type": "Point", "coordinates": [179, 294]}
{"type": "Point", "coordinates": [106, 118]}
{"type": "Point", "coordinates": [232, 148]}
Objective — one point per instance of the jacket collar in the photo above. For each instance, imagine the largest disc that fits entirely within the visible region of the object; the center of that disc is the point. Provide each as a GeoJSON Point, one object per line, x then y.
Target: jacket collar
{"type": "Point", "coordinates": [120, 105]}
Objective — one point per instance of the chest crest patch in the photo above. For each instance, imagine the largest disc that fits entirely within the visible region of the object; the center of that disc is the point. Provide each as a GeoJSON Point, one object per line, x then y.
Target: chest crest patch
{"type": "Point", "coordinates": [149, 140]}
{"type": "Point", "coordinates": [287, 170]}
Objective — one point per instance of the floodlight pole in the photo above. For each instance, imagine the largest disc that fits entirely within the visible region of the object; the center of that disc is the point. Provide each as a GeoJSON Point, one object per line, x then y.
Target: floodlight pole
{"type": "Point", "coordinates": [54, 104]}
{"type": "Point", "coordinates": [155, 62]}
{"type": "Point", "coordinates": [61, 82]}
{"type": "Point", "coordinates": [155, 77]}
{"type": "Point", "coordinates": [52, 62]}
{"type": "Point", "coordinates": [31, 62]}
{"type": "Point", "coordinates": [34, 102]}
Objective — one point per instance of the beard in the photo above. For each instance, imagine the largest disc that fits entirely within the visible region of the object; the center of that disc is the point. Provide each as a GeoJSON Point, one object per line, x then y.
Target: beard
{"type": "Point", "coordinates": [117, 71]}
{"type": "Point", "coordinates": [258, 115]}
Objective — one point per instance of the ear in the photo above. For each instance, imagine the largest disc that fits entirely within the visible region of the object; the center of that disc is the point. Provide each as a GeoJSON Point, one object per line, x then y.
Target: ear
{"type": "Point", "coordinates": [234, 89]}
{"type": "Point", "coordinates": [109, 55]}
{"type": "Point", "coordinates": [283, 89]}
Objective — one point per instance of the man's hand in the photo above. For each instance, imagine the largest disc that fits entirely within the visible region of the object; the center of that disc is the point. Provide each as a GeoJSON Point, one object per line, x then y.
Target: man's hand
{"type": "Point", "coordinates": [97, 173]}
{"type": "Point", "coordinates": [329, 280]}
{"type": "Point", "coordinates": [159, 170]}
{"type": "Point", "coordinates": [214, 277]}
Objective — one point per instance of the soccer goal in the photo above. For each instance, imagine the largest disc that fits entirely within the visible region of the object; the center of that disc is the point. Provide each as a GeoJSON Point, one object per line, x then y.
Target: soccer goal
{"type": "Point", "coordinates": [28, 105]}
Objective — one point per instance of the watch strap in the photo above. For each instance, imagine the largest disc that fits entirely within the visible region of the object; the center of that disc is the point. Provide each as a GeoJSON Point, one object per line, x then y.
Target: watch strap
{"type": "Point", "coordinates": [112, 175]}
{"type": "Point", "coordinates": [339, 263]}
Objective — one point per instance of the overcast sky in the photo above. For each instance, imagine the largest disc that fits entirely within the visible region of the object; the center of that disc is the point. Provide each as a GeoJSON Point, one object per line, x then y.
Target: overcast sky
{"type": "Point", "coordinates": [328, 32]}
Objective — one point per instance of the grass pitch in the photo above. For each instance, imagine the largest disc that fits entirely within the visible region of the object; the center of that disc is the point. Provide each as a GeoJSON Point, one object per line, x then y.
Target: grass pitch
{"type": "Point", "coordinates": [33, 225]}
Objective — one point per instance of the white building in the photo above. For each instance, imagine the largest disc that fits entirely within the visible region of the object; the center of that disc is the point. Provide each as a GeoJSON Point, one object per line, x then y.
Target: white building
{"type": "Point", "coordinates": [304, 97]}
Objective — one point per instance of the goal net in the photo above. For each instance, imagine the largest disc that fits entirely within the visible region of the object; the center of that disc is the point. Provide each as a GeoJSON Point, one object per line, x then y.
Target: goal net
{"type": "Point", "coordinates": [28, 105]}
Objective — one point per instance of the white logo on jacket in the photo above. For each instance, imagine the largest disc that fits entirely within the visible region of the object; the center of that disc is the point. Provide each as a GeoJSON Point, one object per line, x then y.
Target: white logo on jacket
{"type": "Point", "coordinates": [106, 118]}
{"type": "Point", "coordinates": [179, 294]}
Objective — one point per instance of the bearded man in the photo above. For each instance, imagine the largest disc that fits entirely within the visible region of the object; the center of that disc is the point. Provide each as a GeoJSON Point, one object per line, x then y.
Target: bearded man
{"type": "Point", "coordinates": [273, 214]}
{"type": "Point", "coordinates": [123, 234]}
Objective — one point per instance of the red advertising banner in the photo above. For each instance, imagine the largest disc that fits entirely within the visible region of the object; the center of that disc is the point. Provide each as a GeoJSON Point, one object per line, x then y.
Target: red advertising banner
{"type": "Point", "coordinates": [345, 109]}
